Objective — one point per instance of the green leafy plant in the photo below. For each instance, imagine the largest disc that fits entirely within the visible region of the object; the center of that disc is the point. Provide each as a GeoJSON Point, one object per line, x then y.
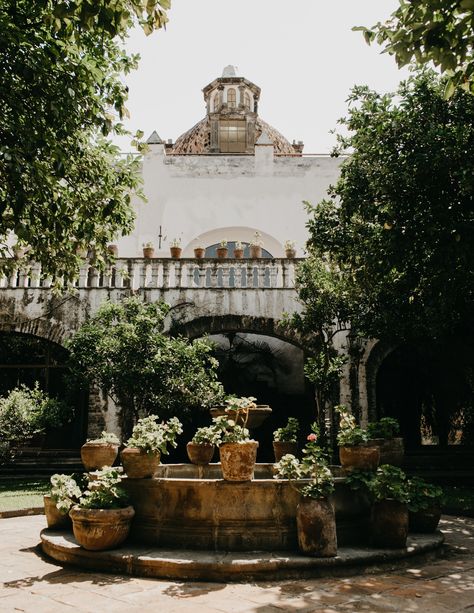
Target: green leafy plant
{"type": "Point", "coordinates": [288, 433]}
{"type": "Point", "coordinates": [423, 495]}
{"type": "Point", "coordinates": [228, 431]}
{"type": "Point", "coordinates": [207, 435]}
{"type": "Point", "coordinates": [106, 437]}
{"type": "Point", "coordinates": [152, 437]}
{"type": "Point", "coordinates": [65, 492]}
{"type": "Point", "coordinates": [349, 432]}
{"type": "Point", "coordinates": [390, 483]}
{"type": "Point", "coordinates": [387, 427]}
{"type": "Point", "coordinates": [104, 491]}
{"type": "Point", "coordinates": [360, 480]}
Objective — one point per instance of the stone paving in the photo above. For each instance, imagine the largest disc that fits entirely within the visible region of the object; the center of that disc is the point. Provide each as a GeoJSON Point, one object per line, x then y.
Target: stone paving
{"type": "Point", "coordinates": [30, 582]}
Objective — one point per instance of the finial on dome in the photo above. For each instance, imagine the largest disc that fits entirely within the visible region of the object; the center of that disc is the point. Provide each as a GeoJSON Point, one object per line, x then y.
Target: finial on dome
{"type": "Point", "coordinates": [230, 71]}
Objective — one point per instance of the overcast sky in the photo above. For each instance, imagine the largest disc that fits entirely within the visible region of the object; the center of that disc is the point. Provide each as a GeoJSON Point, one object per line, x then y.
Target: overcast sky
{"type": "Point", "coordinates": [302, 53]}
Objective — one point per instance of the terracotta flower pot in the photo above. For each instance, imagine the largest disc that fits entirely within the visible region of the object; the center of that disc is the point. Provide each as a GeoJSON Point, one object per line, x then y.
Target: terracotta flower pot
{"type": "Point", "coordinates": [113, 249]}
{"type": "Point", "coordinates": [392, 450]}
{"type": "Point", "coordinates": [255, 251]}
{"type": "Point", "coordinates": [139, 464]}
{"type": "Point", "coordinates": [238, 460]}
{"type": "Point", "coordinates": [238, 254]}
{"type": "Point", "coordinates": [175, 252]}
{"type": "Point", "coordinates": [148, 252]}
{"type": "Point", "coordinates": [424, 521]}
{"type": "Point", "coordinates": [222, 252]}
{"type": "Point", "coordinates": [359, 457]}
{"type": "Point", "coordinates": [290, 253]}
{"type": "Point", "coordinates": [316, 524]}
{"type": "Point", "coordinates": [199, 253]}
{"type": "Point", "coordinates": [200, 453]}
{"type": "Point", "coordinates": [54, 517]}
{"type": "Point", "coordinates": [97, 455]}
{"type": "Point", "coordinates": [99, 529]}
{"type": "Point", "coordinates": [281, 448]}
{"type": "Point", "coordinates": [389, 524]}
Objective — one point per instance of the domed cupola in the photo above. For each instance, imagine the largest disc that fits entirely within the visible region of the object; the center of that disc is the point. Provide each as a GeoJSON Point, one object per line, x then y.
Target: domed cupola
{"type": "Point", "coordinates": [232, 125]}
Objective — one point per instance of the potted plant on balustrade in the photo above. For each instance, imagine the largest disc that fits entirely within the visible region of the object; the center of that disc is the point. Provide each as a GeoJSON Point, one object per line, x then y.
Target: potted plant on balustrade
{"type": "Point", "coordinates": [424, 505]}
{"type": "Point", "coordinates": [150, 439]}
{"type": "Point", "coordinates": [101, 519]}
{"type": "Point", "coordinates": [63, 495]}
{"type": "Point", "coordinates": [148, 250]}
{"type": "Point", "coordinates": [354, 451]}
{"type": "Point", "coordinates": [199, 252]}
{"type": "Point", "coordinates": [256, 245]}
{"type": "Point", "coordinates": [175, 248]}
{"type": "Point", "coordinates": [99, 452]}
{"type": "Point", "coordinates": [389, 520]}
{"type": "Point", "coordinates": [315, 515]}
{"type": "Point", "coordinates": [290, 250]}
{"type": "Point", "coordinates": [237, 451]}
{"type": "Point", "coordinates": [222, 249]}
{"type": "Point", "coordinates": [383, 433]}
{"type": "Point", "coordinates": [238, 250]}
{"type": "Point", "coordinates": [201, 447]}
{"type": "Point", "coordinates": [285, 439]}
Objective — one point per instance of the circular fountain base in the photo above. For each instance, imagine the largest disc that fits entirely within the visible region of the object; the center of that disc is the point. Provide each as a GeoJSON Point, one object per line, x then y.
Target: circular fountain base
{"type": "Point", "coordinates": [146, 561]}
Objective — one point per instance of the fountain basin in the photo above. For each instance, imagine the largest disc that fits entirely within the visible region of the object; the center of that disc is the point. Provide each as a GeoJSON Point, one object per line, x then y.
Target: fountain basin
{"type": "Point", "coordinates": [192, 507]}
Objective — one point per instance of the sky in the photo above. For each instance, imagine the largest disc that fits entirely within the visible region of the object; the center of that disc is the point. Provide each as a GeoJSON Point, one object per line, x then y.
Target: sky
{"type": "Point", "coordinates": [301, 53]}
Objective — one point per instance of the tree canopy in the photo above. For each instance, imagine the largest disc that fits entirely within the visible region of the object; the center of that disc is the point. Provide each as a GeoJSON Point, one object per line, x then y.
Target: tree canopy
{"type": "Point", "coordinates": [437, 31]}
{"type": "Point", "coordinates": [63, 185]}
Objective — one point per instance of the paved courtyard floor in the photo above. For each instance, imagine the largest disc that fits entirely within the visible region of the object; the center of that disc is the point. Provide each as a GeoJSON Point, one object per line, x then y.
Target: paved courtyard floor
{"type": "Point", "coordinates": [30, 582]}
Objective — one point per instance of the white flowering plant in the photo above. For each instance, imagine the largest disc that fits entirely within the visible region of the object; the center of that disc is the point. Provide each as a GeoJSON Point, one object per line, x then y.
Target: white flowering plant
{"type": "Point", "coordinates": [349, 432]}
{"type": "Point", "coordinates": [152, 436]}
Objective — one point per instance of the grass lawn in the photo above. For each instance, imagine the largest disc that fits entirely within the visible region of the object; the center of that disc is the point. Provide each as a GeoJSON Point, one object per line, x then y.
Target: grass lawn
{"type": "Point", "coordinates": [18, 494]}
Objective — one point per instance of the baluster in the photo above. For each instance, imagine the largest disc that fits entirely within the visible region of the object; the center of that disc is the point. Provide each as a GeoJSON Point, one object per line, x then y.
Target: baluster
{"type": "Point", "coordinates": [279, 274]}
{"type": "Point", "coordinates": [238, 275]}
{"type": "Point", "coordinates": [13, 280]}
{"type": "Point", "coordinates": [202, 276]}
{"type": "Point", "coordinates": [83, 274]}
{"type": "Point", "coordinates": [35, 275]}
{"type": "Point", "coordinates": [249, 276]}
{"type": "Point", "coordinates": [155, 272]}
{"type": "Point", "coordinates": [261, 275]}
{"type": "Point", "coordinates": [166, 274]}
{"type": "Point", "coordinates": [108, 277]}
{"type": "Point", "coordinates": [94, 277]}
{"type": "Point", "coordinates": [273, 274]}
{"type": "Point", "coordinates": [225, 272]}
{"type": "Point", "coordinates": [213, 276]}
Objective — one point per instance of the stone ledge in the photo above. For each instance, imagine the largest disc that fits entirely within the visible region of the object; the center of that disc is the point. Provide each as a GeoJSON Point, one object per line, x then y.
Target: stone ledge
{"type": "Point", "coordinates": [233, 566]}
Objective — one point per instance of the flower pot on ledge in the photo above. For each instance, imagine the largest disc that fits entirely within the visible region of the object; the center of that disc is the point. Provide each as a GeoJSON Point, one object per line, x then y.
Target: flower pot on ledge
{"type": "Point", "coordinates": [175, 252]}
{"type": "Point", "coordinates": [148, 252]}
{"type": "Point", "coordinates": [199, 253]}
{"type": "Point", "coordinates": [222, 252]}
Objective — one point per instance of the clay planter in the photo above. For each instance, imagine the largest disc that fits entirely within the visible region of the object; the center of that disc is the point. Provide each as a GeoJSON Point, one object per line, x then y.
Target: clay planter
{"type": "Point", "coordinates": [316, 524]}
{"type": "Point", "coordinates": [175, 252]}
{"type": "Point", "coordinates": [255, 251]}
{"type": "Point", "coordinates": [290, 253]}
{"type": "Point", "coordinates": [359, 457]}
{"type": "Point", "coordinates": [99, 529]}
{"type": "Point", "coordinates": [389, 524]}
{"type": "Point", "coordinates": [255, 419]}
{"type": "Point", "coordinates": [238, 254]}
{"type": "Point", "coordinates": [222, 252]}
{"type": "Point", "coordinates": [424, 521]}
{"type": "Point", "coordinates": [238, 460]}
{"type": "Point", "coordinates": [200, 453]}
{"type": "Point", "coordinates": [138, 464]}
{"type": "Point", "coordinates": [392, 450]}
{"type": "Point", "coordinates": [113, 250]}
{"type": "Point", "coordinates": [148, 252]}
{"type": "Point", "coordinates": [97, 455]}
{"type": "Point", "coordinates": [54, 518]}
{"type": "Point", "coordinates": [281, 448]}
{"type": "Point", "coordinates": [199, 253]}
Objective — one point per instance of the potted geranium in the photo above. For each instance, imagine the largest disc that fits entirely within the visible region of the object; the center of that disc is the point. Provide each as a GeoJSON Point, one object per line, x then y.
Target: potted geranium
{"type": "Point", "coordinates": [99, 452]}
{"type": "Point", "coordinates": [256, 245]}
{"type": "Point", "coordinates": [424, 505]}
{"type": "Point", "coordinates": [389, 489]}
{"type": "Point", "coordinates": [315, 515]}
{"type": "Point", "coordinates": [222, 249]}
{"type": "Point", "coordinates": [237, 451]}
{"type": "Point", "coordinates": [290, 250]}
{"type": "Point", "coordinates": [148, 250]}
{"type": "Point", "coordinates": [101, 520]}
{"type": "Point", "coordinates": [285, 439]}
{"type": "Point", "coordinates": [383, 433]}
{"type": "Point", "coordinates": [64, 493]}
{"type": "Point", "coordinates": [201, 447]}
{"type": "Point", "coordinates": [238, 250]}
{"type": "Point", "coordinates": [354, 452]}
{"type": "Point", "coordinates": [175, 248]}
{"type": "Point", "coordinates": [149, 440]}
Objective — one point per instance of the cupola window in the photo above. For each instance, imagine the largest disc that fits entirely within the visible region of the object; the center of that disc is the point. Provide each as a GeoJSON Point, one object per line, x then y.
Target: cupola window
{"type": "Point", "coordinates": [232, 136]}
{"type": "Point", "coordinates": [231, 98]}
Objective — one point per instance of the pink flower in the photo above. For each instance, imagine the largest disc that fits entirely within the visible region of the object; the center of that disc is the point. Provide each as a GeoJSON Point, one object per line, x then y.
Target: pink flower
{"type": "Point", "coordinates": [311, 437]}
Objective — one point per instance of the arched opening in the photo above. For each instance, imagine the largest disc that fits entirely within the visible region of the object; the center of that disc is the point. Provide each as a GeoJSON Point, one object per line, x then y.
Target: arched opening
{"type": "Point", "coordinates": [211, 250]}
{"type": "Point", "coordinates": [26, 359]}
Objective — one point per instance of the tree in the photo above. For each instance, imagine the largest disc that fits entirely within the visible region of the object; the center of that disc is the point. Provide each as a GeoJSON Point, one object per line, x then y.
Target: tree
{"type": "Point", "coordinates": [399, 224]}
{"type": "Point", "coordinates": [437, 31]}
{"type": "Point", "coordinates": [63, 185]}
{"type": "Point", "coordinates": [124, 351]}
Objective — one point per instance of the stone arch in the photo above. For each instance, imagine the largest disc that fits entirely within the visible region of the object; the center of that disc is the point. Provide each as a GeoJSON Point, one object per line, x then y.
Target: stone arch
{"type": "Point", "coordinates": [40, 327]}
{"type": "Point", "coordinates": [377, 355]}
{"type": "Point", "coordinates": [234, 233]}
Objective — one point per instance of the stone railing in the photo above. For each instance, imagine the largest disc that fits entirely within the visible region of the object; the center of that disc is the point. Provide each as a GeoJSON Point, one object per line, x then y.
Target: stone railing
{"type": "Point", "coordinates": [165, 273]}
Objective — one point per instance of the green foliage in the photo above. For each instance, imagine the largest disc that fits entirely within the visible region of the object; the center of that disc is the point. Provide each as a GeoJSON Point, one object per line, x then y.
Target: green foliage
{"type": "Point", "coordinates": [63, 185]}
{"type": "Point", "coordinates": [440, 32]}
{"type": "Point", "coordinates": [389, 483]}
{"type": "Point", "coordinates": [124, 351]}
{"type": "Point", "coordinates": [288, 433]}
{"type": "Point", "coordinates": [207, 435]}
{"type": "Point", "coordinates": [153, 437]}
{"type": "Point", "coordinates": [387, 427]}
{"type": "Point", "coordinates": [104, 491]}
{"type": "Point", "coordinates": [106, 437]}
{"type": "Point", "coordinates": [65, 492]}
{"type": "Point", "coordinates": [228, 431]}
{"type": "Point", "coordinates": [349, 432]}
{"type": "Point", "coordinates": [360, 480]}
{"type": "Point", "coordinates": [423, 495]}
